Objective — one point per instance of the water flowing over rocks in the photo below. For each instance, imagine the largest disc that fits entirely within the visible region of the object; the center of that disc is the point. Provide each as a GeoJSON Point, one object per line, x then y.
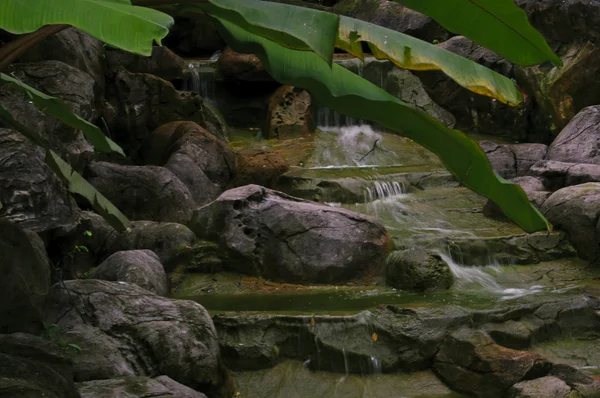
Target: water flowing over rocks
{"type": "Point", "coordinates": [280, 237]}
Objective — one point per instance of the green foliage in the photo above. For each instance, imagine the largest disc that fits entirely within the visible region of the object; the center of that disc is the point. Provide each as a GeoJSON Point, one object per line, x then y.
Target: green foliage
{"type": "Point", "coordinates": [342, 90]}
{"type": "Point", "coordinates": [499, 25]}
{"type": "Point", "coordinates": [115, 22]}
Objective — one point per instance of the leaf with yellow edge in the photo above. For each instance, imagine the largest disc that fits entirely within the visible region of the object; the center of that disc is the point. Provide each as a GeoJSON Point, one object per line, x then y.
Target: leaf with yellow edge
{"type": "Point", "coordinates": [374, 337]}
{"type": "Point", "coordinates": [410, 53]}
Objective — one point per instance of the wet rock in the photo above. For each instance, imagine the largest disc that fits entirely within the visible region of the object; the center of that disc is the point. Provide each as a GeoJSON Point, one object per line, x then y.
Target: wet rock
{"type": "Point", "coordinates": [534, 186]}
{"type": "Point", "coordinates": [417, 270]}
{"type": "Point", "coordinates": [469, 361]}
{"type": "Point", "coordinates": [167, 240]}
{"type": "Point", "coordinates": [290, 113]}
{"type": "Point", "coordinates": [556, 175]}
{"type": "Point", "coordinates": [244, 67]}
{"type": "Point", "coordinates": [513, 160]}
{"type": "Point", "coordinates": [140, 103]}
{"type": "Point", "coordinates": [163, 63]}
{"type": "Point", "coordinates": [75, 48]}
{"type": "Point", "coordinates": [476, 113]}
{"type": "Point", "coordinates": [393, 16]}
{"type": "Point", "coordinates": [136, 387]}
{"type": "Point", "coordinates": [135, 332]}
{"type": "Point", "coordinates": [141, 267]}
{"type": "Point", "coordinates": [31, 194]}
{"type": "Point", "coordinates": [284, 238]}
{"type": "Point", "coordinates": [143, 192]}
{"type": "Point", "coordinates": [34, 367]}
{"type": "Point", "coordinates": [25, 279]}
{"type": "Point", "coordinates": [257, 166]}
{"type": "Point", "coordinates": [562, 92]}
{"type": "Point", "coordinates": [575, 209]}
{"type": "Point", "coordinates": [194, 37]}
{"type": "Point", "coordinates": [548, 386]}
{"type": "Point", "coordinates": [578, 142]}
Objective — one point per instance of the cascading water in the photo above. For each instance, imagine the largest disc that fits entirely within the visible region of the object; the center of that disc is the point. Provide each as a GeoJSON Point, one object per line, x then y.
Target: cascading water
{"type": "Point", "coordinates": [203, 76]}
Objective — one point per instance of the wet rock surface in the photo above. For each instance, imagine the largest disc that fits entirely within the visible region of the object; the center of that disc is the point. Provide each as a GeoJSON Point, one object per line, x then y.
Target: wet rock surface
{"type": "Point", "coordinates": [417, 270]}
{"type": "Point", "coordinates": [136, 387]}
{"type": "Point", "coordinates": [290, 113]}
{"type": "Point", "coordinates": [284, 238]}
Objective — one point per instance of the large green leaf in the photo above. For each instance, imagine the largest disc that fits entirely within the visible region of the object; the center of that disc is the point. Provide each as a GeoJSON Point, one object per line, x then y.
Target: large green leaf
{"type": "Point", "coordinates": [346, 92]}
{"type": "Point", "coordinates": [115, 22]}
{"type": "Point", "coordinates": [78, 185]}
{"type": "Point", "coordinates": [411, 53]}
{"type": "Point", "coordinates": [496, 24]}
{"type": "Point", "coordinates": [55, 107]}
{"type": "Point", "coordinates": [294, 27]}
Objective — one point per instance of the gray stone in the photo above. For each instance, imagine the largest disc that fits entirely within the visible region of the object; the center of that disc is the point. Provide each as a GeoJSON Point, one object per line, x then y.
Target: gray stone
{"type": "Point", "coordinates": [579, 141]}
{"type": "Point", "coordinates": [575, 209]}
{"type": "Point", "coordinates": [513, 160]}
{"type": "Point", "coordinates": [137, 387]}
{"type": "Point", "coordinates": [544, 387]}
{"type": "Point", "coordinates": [135, 332]}
{"type": "Point", "coordinates": [143, 192]}
{"type": "Point", "coordinates": [556, 175]}
{"type": "Point", "coordinates": [417, 270]}
{"type": "Point", "coordinates": [32, 367]}
{"type": "Point", "coordinates": [25, 279]}
{"type": "Point", "coordinates": [285, 238]}
{"type": "Point", "coordinates": [141, 267]}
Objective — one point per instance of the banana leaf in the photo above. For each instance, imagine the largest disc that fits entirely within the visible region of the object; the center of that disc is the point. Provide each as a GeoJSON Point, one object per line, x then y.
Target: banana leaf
{"type": "Point", "coordinates": [115, 22]}
{"type": "Point", "coordinates": [341, 90]}
{"type": "Point", "coordinates": [499, 25]}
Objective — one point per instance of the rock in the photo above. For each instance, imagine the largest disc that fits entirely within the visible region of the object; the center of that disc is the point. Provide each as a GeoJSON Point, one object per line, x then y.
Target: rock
{"type": "Point", "coordinates": [31, 194]}
{"type": "Point", "coordinates": [534, 187]}
{"type": "Point", "coordinates": [141, 267]}
{"type": "Point", "coordinates": [77, 49]}
{"type": "Point", "coordinates": [25, 279]}
{"type": "Point", "coordinates": [290, 113]}
{"type": "Point", "coordinates": [34, 367]}
{"type": "Point", "coordinates": [513, 160]}
{"type": "Point", "coordinates": [258, 166]}
{"type": "Point", "coordinates": [579, 141]}
{"type": "Point", "coordinates": [576, 209]}
{"type": "Point", "coordinates": [544, 387]}
{"type": "Point", "coordinates": [393, 16]}
{"type": "Point", "coordinates": [194, 37]}
{"type": "Point", "coordinates": [477, 113]}
{"type": "Point", "coordinates": [469, 361]}
{"type": "Point", "coordinates": [73, 87]}
{"type": "Point", "coordinates": [284, 238]}
{"type": "Point", "coordinates": [202, 162]}
{"type": "Point", "coordinates": [136, 387]}
{"type": "Point", "coordinates": [556, 175]}
{"type": "Point", "coordinates": [143, 192]}
{"type": "Point", "coordinates": [140, 103]}
{"type": "Point", "coordinates": [562, 92]}
{"type": "Point", "coordinates": [244, 67]}
{"type": "Point", "coordinates": [564, 21]}
{"type": "Point", "coordinates": [417, 270]}
{"type": "Point", "coordinates": [135, 332]}
{"type": "Point", "coordinates": [163, 63]}
{"type": "Point", "coordinates": [169, 241]}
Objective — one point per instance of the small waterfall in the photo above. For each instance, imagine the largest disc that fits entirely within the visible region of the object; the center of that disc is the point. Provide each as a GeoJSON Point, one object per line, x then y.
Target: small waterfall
{"type": "Point", "coordinates": [471, 277]}
{"type": "Point", "coordinates": [346, 367]}
{"type": "Point", "coordinates": [203, 77]}
{"type": "Point", "coordinates": [382, 190]}
{"type": "Point", "coordinates": [376, 368]}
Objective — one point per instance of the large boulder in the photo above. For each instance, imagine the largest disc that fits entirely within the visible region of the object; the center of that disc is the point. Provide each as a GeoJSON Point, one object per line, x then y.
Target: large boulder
{"type": "Point", "coordinates": [561, 92]}
{"type": "Point", "coordinates": [513, 160]}
{"type": "Point", "coordinates": [258, 166]}
{"type": "Point", "coordinates": [556, 175]}
{"type": "Point", "coordinates": [136, 387]}
{"type": "Point", "coordinates": [124, 330]}
{"type": "Point", "coordinates": [32, 367]}
{"type": "Point", "coordinates": [285, 238]}
{"type": "Point", "coordinates": [393, 16]}
{"type": "Point", "coordinates": [163, 63]}
{"type": "Point", "coordinates": [143, 192]}
{"type": "Point", "coordinates": [138, 103]}
{"type": "Point", "coordinates": [576, 209]}
{"type": "Point", "coordinates": [31, 195]}
{"type": "Point", "coordinates": [25, 279]}
{"type": "Point", "coordinates": [290, 113]}
{"type": "Point", "coordinates": [579, 141]}
{"type": "Point", "coordinates": [244, 67]}
{"type": "Point", "coordinates": [141, 267]}
{"type": "Point", "coordinates": [417, 270]}
{"type": "Point", "coordinates": [469, 361]}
